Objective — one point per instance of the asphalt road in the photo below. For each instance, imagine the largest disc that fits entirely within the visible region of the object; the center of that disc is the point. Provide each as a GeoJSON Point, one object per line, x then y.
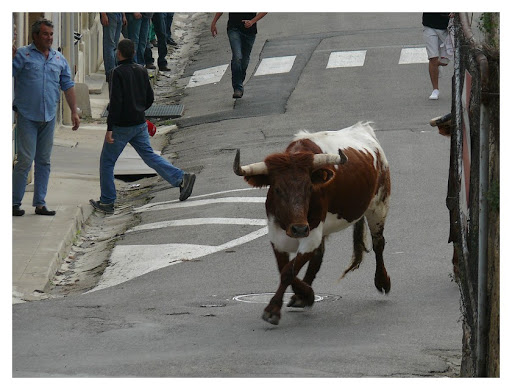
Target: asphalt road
{"type": "Point", "coordinates": [185, 289]}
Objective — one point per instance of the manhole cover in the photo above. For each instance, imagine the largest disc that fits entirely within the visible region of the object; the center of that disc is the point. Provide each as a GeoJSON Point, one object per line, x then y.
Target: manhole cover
{"type": "Point", "coordinates": [265, 297]}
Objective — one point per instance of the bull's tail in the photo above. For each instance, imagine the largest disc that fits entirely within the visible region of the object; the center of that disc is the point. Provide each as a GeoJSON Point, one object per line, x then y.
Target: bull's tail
{"type": "Point", "coordinates": [359, 239]}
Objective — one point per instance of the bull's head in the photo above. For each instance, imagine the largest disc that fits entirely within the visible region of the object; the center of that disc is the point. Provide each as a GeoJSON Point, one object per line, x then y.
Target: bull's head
{"type": "Point", "coordinates": [293, 178]}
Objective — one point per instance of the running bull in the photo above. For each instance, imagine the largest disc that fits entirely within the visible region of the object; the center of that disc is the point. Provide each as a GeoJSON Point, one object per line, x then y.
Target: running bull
{"type": "Point", "coordinates": [322, 183]}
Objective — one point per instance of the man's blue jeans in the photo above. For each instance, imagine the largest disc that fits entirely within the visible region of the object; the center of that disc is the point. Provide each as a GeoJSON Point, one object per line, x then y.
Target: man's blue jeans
{"type": "Point", "coordinates": [34, 141]}
{"type": "Point", "coordinates": [241, 47]}
{"type": "Point", "coordinates": [133, 29]}
{"type": "Point", "coordinates": [111, 35]}
{"type": "Point", "coordinates": [138, 137]}
{"type": "Point", "coordinates": [143, 40]}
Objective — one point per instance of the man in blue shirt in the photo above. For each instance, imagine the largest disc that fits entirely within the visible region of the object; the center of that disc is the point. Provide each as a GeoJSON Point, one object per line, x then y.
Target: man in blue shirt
{"type": "Point", "coordinates": [39, 74]}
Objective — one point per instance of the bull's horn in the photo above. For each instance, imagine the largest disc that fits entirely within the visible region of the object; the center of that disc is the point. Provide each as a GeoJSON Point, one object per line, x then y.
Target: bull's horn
{"type": "Point", "coordinates": [259, 168]}
{"type": "Point", "coordinates": [326, 159]}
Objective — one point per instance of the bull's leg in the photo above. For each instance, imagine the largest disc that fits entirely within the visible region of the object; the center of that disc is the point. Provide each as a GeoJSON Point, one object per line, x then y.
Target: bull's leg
{"type": "Point", "coordinates": [303, 298]}
{"type": "Point", "coordinates": [272, 312]}
{"type": "Point", "coordinates": [376, 220]}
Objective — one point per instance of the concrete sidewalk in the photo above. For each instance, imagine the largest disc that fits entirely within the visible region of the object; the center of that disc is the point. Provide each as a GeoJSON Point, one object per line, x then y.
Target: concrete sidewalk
{"type": "Point", "coordinates": [41, 243]}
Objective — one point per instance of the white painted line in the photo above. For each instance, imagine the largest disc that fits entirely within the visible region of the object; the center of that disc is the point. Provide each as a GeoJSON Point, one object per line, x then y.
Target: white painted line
{"type": "Point", "coordinates": [413, 55]}
{"type": "Point", "coordinates": [199, 222]}
{"type": "Point", "coordinates": [195, 203]}
{"type": "Point", "coordinates": [197, 197]}
{"type": "Point", "coordinates": [346, 59]}
{"type": "Point", "coordinates": [275, 65]}
{"type": "Point", "coordinates": [130, 261]}
{"type": "Point", "coordinates": [207, 76]}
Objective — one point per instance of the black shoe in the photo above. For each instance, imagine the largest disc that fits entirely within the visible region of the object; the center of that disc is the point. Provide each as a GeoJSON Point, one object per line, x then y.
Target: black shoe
{"type": "Point", "coordinates": [187, 185]}
{"type": "Point", "coordinates": [154, 42]}
{"type": "Point", "coordinates": [150, 66]}
{"type": "Point", "coordinates": [238, 94]}
{"type": "Point", "coordinates": [171, 42]}
{"type": "Point", "coordinates": [44, 211]}
{"type": "Point", "coordinates": [107, 208]}
{"type": "Point", "coordinates": [164, 68]}
{"type": "Point", "coordinates": [17, 212]}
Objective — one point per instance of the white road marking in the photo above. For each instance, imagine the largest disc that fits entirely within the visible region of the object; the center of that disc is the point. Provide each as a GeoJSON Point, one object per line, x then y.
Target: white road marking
{"type": "Point", "coordinates": [200, 222]}
{"type": "Point", "coordinates": [207, 76]}
{"type": "Point", "coordinates": [195, 203]}
{"type": "Point", "coordinates": [275, 65]}
{"type": "Point", "coordinates": [199, 196]}
{"type": "Point", "coordinates": [413, 55]}
{"type": "Point", "coordinates": [130, 261]}
{"type": "Point", "coordinates": [345, 59]}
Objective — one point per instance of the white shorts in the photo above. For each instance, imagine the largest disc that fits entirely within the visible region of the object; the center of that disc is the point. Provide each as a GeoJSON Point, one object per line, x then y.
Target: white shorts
{"type": "Point", "coordinates": [435, 42]}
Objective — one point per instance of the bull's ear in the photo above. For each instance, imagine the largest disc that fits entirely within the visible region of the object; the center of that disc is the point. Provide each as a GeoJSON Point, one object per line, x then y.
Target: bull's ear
{"type": "Point", "coordinates": [322, 176]}
{"type": "Point", "coordinates": [257, 180]}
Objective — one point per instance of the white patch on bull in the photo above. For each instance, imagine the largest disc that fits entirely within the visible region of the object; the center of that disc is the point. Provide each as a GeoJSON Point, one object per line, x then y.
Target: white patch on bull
{"type": "Point", "coordinates": [278, 237]}
{"type": "Point", "coordinates": [286, 244]}
{"type": "Point", "coordinates": [360, 136]}
{"type": "Point", "coordinates": [334, 224]}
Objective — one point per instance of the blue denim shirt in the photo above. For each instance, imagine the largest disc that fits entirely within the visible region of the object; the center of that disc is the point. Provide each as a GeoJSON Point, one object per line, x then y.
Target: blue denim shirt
{"type": "Point", "coordinates": [38, 81]}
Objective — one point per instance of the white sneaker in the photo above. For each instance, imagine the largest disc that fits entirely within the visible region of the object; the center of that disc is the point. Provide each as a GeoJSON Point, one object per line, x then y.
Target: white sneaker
{"type": "Point", "coordinates": [434, 95]}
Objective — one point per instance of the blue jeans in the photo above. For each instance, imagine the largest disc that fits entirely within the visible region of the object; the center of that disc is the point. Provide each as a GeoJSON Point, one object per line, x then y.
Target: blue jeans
{"type": "Point", "coordinates": [143, 40]}
{"type": "Point", "coordinates": [34, 141]}
{"type": "Point", "coordinates": [241, 47]}
{"type": "Point", "coordinates": [133, 31]}
{"type": "Point", "coordinates": [111, 35]}
{"type": "Point", "coordinates": [138, 137]}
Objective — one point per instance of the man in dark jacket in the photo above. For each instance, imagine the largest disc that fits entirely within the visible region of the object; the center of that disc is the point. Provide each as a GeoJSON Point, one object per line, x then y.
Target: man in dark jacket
{"type": "Point", "coordinates": [130, 96]}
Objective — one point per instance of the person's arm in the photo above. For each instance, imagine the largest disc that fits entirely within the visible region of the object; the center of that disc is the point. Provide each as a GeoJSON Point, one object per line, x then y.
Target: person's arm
{"type": "Point", "coordinates": [104, 18]}
{"type": "Point", "coordinates": [71, 99]}
{"type": "Point", "coordinates": [213, 27]}
{"type": "Point", "coordinates": [250, 23]}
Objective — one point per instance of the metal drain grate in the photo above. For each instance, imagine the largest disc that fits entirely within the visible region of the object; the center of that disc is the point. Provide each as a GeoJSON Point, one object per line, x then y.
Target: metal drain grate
{"type": "Point", "coordinates": [160, 111]}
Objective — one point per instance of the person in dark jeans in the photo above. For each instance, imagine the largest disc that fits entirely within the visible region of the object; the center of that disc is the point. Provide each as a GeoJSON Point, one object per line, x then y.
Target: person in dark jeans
{"type": "Point", "coordinates": [131, 95]}
{"type": "Point", "coordinates": [242, 32]}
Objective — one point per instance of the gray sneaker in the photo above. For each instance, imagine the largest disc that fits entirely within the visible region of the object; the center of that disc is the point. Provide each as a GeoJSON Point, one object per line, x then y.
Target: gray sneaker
{"type": "Point", "coordinates": [187, 185]}
{"type": "Point", "coordinates": [107, 208]}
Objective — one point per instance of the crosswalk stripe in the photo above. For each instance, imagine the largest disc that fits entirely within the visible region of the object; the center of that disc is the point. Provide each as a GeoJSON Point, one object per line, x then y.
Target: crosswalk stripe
{"type": "Point", "coordinates": [207, 76]}
{"type": "Point", "coordinates": [345, 59]}
{"type": "Point", "coordinates": [413, 55]}
{"type": "Point", "coordinates": [275, 65]}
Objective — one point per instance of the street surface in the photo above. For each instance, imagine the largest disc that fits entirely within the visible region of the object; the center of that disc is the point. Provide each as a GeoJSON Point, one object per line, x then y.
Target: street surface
{"type": "Point", "coordinates": [187, 283]}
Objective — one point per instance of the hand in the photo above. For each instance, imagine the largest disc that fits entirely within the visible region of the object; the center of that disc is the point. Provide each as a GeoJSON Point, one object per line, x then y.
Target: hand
{"type": "Point", "coordinates": [213, 29]}
{"type": "Point", "coordinates": [14, 50]}
{"type": "Point", "coordinates": [104, 19]}
{"type": "Point", "coordinates": [137, 15]}
{"type": "Point", "coordinates": [108, 137]}
{"type": "Point", "coordinates": [247, 23]}
{"type": "Point", "coordinates": [75, 118]}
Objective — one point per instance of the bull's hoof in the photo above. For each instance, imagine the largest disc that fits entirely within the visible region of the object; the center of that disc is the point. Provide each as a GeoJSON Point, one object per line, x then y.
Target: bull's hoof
{"type": "Point", "coordinates": [383, 284]}
{"type": "Point", "coordinates": [271, 318]}
{"type": "Point", "coordinates": [298, 302]}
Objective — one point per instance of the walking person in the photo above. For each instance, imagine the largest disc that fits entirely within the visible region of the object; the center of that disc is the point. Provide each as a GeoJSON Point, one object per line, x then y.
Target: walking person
{"type": "Point", "coordinates": [112, 23]}
{"type": "Point", "coordinates": [40, 73]}
{"type": "Point", "coordinates": [435, 33]}
{"type": "Point", "coordinates": [242, 30]}
{"type": "Point", "coordinates": [130, 96]}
